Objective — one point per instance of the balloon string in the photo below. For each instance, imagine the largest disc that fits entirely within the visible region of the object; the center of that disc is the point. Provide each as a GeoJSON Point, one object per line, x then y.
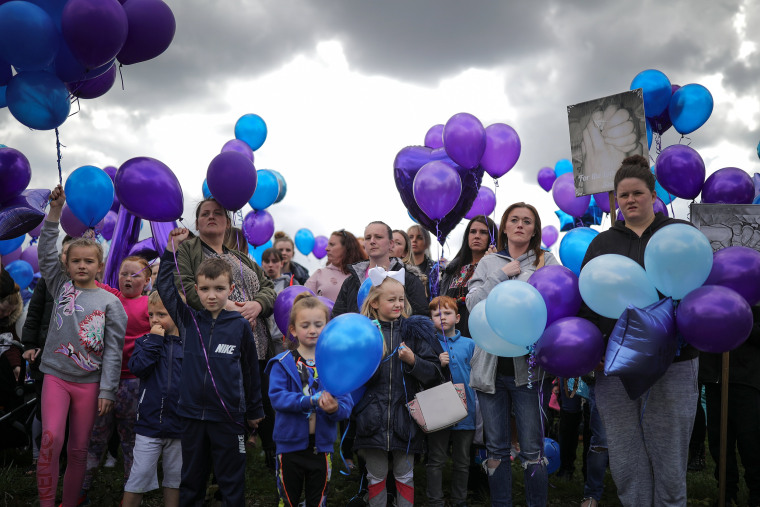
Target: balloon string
{"type": "Point", "coordinates": [541, 455]}
{"type": "Point", "coordinates": [58, 150]}
{"type": "Point", "coordinates": [121, 76]}
{"type": "Point", "coordinates": [345, 463]}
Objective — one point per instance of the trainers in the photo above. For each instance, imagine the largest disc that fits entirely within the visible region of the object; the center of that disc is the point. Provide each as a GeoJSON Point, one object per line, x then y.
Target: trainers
{"type": "Point", "coordinates": [110, 461]}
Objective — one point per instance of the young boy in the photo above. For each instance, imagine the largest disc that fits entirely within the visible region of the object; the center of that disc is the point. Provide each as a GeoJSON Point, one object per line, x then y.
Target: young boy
{"type": "Point", "coordinates": [219, 388]}
{"type": "Point", "coordinates": [157, 360]}
{"type": "Point", "coordinates": [457, 354]}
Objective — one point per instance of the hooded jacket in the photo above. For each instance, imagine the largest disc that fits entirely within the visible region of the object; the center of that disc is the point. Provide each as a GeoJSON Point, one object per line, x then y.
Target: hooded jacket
{"type": "Point", "coordinates": [621, 240]}
{"type": "Point", "coordinates": [413, 288]}
{"type": "Point", "coordinates": [300, 273]}
{"type": "Point", "coordinates": [232, 388]}
{"type": "Point", "coordinates": [382, 419]}
{"type": "Point", "coordinates": [488, 275]}
{"type": "Point", "coordinates": [291, 433]}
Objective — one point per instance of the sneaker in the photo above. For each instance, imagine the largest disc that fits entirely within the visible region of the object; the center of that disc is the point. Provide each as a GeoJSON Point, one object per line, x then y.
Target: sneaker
{"type": "Point", "coordinates": [110, 461]}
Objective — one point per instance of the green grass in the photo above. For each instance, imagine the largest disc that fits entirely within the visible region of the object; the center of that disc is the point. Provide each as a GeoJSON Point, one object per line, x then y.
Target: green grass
{"type": "Point", "coordinates": [18, 489]}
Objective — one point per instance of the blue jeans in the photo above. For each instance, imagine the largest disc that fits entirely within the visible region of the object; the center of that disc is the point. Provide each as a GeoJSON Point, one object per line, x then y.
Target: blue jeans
{"type": "Point", "coordinates": [596, 461]}
{"type": "Point", "coordinates": [496, 408]}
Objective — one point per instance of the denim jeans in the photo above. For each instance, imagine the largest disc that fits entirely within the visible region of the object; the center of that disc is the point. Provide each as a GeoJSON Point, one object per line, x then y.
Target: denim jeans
{"type": "Point", "coordinates": [438, 446]}
{"type": "Point", "coordinates": [496, 408]}
{"type": "Point", "coordinates": [597, 457]}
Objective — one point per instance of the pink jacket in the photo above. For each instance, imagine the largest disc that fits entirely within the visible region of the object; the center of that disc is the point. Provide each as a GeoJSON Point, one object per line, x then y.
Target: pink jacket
{"type": "Point", "coordinates": [326, 282]}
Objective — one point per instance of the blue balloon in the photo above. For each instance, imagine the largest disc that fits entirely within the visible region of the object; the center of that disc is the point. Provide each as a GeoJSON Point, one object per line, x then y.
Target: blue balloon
{"type": "Point", "coordinates": [205, 190]}
{"type": "Point", "coordinates": [38, 100]}
{"type": "Point", "coordinates": [572, 248]}
{"type": "Point", "coordinates": [252, 130]}
{"type": "Point", "coordinates": [363, 292]}
{"type": "Point", "coordinates": [516, 311]}
{"type": "Point", "coordinates": [649, 134]}
{"type": "Point", "coordinates": [69, 70]}
{"type": "Point", "coordinates": [283, 186]}
{"type": "Point", "coordinates": [678, 259]}
{"type": "Point", "coordinates": [304, 241]}
{"type": "Point", "coordinates": [348, 352]}
{"type": "Point", "coordinates": [562, 166]}
{"type": "Point", "coordinates": [657, 91]}
{"type": "Point", "coordinates": [89, 193]}
{"type": "Point", "coordinates": [256, 251]}
{"type": "Point", "coordinates": [28, 36]}
{"type": "Point", "coordinates": [3, 99]}
{"type": "Point", "coordinates": [267, 189]}
{"type": "Point", "coordinates": [9, 245]}
{"type": "Point", "coordinates": [6, 73]}
{"type": "Point", "coordinates": [757, 199]}
{"type": "Point", "coordinates": [611, 282]}
{"type": "Point", "coordinates": [661, 192]}
{"type": "Point", "coordinates": [415, 220]}
{"type": "Point", "coordinates": [487, 339]}
{"type": "Point", "coordinates": [690, 107]}
{"type": "Point", "coordinates": [21, 272]}
{"type": "Point", "coordinates": [551, 451]}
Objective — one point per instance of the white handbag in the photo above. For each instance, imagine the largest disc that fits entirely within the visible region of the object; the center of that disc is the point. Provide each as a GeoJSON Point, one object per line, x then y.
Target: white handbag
{"type": "Point", "coordinates": [439, 407]}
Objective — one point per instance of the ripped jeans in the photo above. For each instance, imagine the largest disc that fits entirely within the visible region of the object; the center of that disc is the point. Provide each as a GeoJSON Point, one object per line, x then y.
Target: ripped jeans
{"type": "Point", "coordinates": [523, 403]}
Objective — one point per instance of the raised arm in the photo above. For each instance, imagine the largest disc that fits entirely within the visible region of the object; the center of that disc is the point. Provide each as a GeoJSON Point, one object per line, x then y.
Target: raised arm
{"type": "Point", "coordinates": [165, 279]}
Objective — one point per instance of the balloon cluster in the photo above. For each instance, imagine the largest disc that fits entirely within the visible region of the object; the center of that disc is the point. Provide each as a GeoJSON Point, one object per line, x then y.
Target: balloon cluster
{"type": "Point", "coordinates": [21, 210]}
{"type": "Point", "coordinates": [68, 48]}
{"type": "Point", "coordinates": [440, 183]}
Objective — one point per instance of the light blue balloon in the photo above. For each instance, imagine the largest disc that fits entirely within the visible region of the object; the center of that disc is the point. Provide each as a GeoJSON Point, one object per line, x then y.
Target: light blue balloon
{"type": "Point", "coordinates": [678, 259]}
{"type": "Point", "coordinates": [256, 251]}
{"type": "Point", "coordinates": [9, 245]}
{"type": "Point", "coordinates": [661, 192]}
{"type": "Point", "coordinates": [304, 241]}
{"type": "Point", "coordinates": [21, 272]}
{"type": "Point", "coordinates": [516, 311]}
{"type": "Point", "coordinates": [572, 248]}
{"type": "Point", "coordinates": [205, 190]}
{"type": "Point", "coordinates": [485, 337]}
{"type": "Point", "coordinates": [38, 99]}
{"type": "Point", "coordinates": [89, 193]}
{"type": "Point", "coordinates": [252, 130]}
{"type": "Point", "coordinates": [562, 166]}
{"type": "Point", "coordinates": [363, 292]}
{"type": "Point", "coordinates": [690, 107]}
{"type": "Point", "coordinates": [657, 90]}
{"type": "Point", "coordinates": [611, 282]}
{"type": "Point", "coordinates": [267, 189]}
{"type": "Point", "coordinates": [283, 189]}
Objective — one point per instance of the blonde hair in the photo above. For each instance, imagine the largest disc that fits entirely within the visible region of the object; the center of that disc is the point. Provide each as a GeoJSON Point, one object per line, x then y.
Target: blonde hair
{"type": "Point", "coordinates": [303, 301]}
{"type": "Point", "coordinates": [374, 294]}
{"type": "Point", "coordinates": [86, 243]}
{"type": "Point", "coordinates": [155, 299]}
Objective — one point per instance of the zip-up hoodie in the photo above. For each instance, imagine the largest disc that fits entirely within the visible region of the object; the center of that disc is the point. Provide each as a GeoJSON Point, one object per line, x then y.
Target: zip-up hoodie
{"type": "Point", "coordinates": [291, 433]}
{"type": "Point", "coordinates": [228, 343]}
{"type": "Point", "coordinates": [621, 240]}
{"type": "Point", "coordinates": [157, 361]}
{"type": "Point", "coordinates": [460, 349]}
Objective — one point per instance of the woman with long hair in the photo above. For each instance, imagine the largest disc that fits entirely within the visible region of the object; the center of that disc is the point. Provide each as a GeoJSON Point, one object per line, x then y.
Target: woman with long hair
{"type": "Point", "coordinates": [342, 251]}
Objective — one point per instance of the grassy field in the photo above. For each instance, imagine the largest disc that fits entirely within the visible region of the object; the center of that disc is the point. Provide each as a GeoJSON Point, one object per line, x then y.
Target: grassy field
{"type": "Point", "coordinates": [18, 489]}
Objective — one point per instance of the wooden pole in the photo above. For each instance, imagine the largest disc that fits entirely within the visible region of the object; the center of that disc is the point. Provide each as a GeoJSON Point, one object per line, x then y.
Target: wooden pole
{"type": "Point", "coordinates": [723, 432]}
{"type": "Point", "coordinates": [613, 213]}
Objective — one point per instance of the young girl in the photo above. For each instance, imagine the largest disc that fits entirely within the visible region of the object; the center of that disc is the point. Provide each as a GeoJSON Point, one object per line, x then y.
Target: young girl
{"type": "Point", "coordinates": [82, 356]}
{"type": "Point", "coordinates": [306, 415]}
{"type": "Point", "coordinates": [134, 274]}
{"type": "Point", "coordinates": [384, 427]}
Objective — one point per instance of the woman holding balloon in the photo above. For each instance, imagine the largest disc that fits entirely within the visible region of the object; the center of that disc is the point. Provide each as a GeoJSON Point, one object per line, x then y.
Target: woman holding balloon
{"type": "Point", "coordinates": [502, 382]}
{"type": "Point", "coordinates": [648, 437]}
{"type": "Point", "coordinates": [342, 251]}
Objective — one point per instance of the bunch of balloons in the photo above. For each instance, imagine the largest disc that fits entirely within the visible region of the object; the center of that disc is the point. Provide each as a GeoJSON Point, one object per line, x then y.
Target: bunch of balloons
{"type": "Point", "coordinates": [21, 210]}
{"type": "Point", "coordinates": [66, 48]}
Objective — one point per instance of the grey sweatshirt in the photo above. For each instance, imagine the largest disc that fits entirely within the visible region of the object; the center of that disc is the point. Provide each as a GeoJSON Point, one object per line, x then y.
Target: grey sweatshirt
{"type": "Point", "coordinates": [87, 327]}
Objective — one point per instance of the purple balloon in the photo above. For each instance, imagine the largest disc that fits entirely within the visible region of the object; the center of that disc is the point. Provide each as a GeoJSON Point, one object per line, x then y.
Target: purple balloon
{"type": "Point", "coordinates": [729, 185]}
{"type": "Point", "coordinates": [406, 165]}
{"type": "Point", "coordinates": [30, 255]}
{"type": "Point", "coordinates": [563, 192]}
{"type": "Point", "coordinates": [283, 304]}
{"type": "Point", "coordinates": [570, 347]}
{"type": "Point", "coordinates": [738, 268]}
{"type": "Point", "coordinates": [464, 139]}
{"type": "Point", "coordinates": [714, 319]}
{"type": "Point", "coordinates": [602, 200]}
{"type": "Point", "coordinates": [149, 189]}
{"type": "Point", "coordinates": [151, 30]}
{"type": "Point", "coordinates": [160, 231]}
{"type": "Point", "coordinates": [111, 171]}
{"type": "Point", "coordinates": [12, 256]}
{"type": "Point", "coordinates": [95, 87]}
{"type": "Point", "coordinates": [502, 150]}
{"type": "Point", "coordinates": [125, 235]}
{"type": "Point", "coordinates": [35, 233]}
{"type": "Point", "coordinates": [22, 214]}
{"type": "Point", "coordinates": [231, 178]}
{"type": "Point", "coordinates": [434, 137]}
{"type": "Point", "coordinates": [680, 171]}
{"type": "Point", "coordinates": [546, 178]}
{"type": "Point", "coordinates": [95, 30]}
{"type": "Point", "coordinates": [258, 227]}
{"type": "Point", "coordinates": [109, 222]}
{"type": "Point", "coordinates": [484, 203]}
{"type": "Point", "coordinates": [437, 189]}
{"type": "Point", "coordinates": [70, 224]}
{"type": "Point", "coordinates": [320, 243]}
{"type": "Point", "coordinates": [549, 235]}
{"type": "Point", "coordinates": [329, 303]}
{"type": "Point", "coordinates": [559, 288]}
{"type": "Point", "coordinates": [756, 178]}
{"type": "Point", "coordinates": [144, 248]}
{"type": "Point", "coordinates": [238, 146]}
{"type": "Point", "coordinates": [15, 173]}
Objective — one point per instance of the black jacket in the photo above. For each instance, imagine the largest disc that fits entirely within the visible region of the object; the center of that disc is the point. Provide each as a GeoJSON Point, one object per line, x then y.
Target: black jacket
{"type": "Point", "coordinates": [621, 240]}
{"type": "Point", "coordinates": [413, 289]}
{"type": "Point", "coordinates": [34, 333]}
{"type": "Point", "coordinates": [382, 419]}
{"type": "Point", "coordinates": [300, 273]}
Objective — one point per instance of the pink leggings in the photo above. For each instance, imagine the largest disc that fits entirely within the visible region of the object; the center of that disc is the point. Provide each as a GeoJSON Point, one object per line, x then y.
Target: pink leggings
{"type": "Point", "coordinates": [80, 403]}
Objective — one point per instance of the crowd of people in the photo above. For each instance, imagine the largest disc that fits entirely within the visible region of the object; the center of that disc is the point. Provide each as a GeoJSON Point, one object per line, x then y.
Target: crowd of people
{"type": "Point", "coordinates": [186, 363]}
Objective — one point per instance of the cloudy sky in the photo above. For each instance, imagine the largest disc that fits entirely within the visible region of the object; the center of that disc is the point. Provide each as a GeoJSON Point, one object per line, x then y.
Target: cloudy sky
{"type": "Point", "coordinates": [343, 85]}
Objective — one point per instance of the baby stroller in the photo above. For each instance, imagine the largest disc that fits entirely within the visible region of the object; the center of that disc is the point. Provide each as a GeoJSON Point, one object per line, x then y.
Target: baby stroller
{"type": "Point", "coordinates": [17, 400]}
